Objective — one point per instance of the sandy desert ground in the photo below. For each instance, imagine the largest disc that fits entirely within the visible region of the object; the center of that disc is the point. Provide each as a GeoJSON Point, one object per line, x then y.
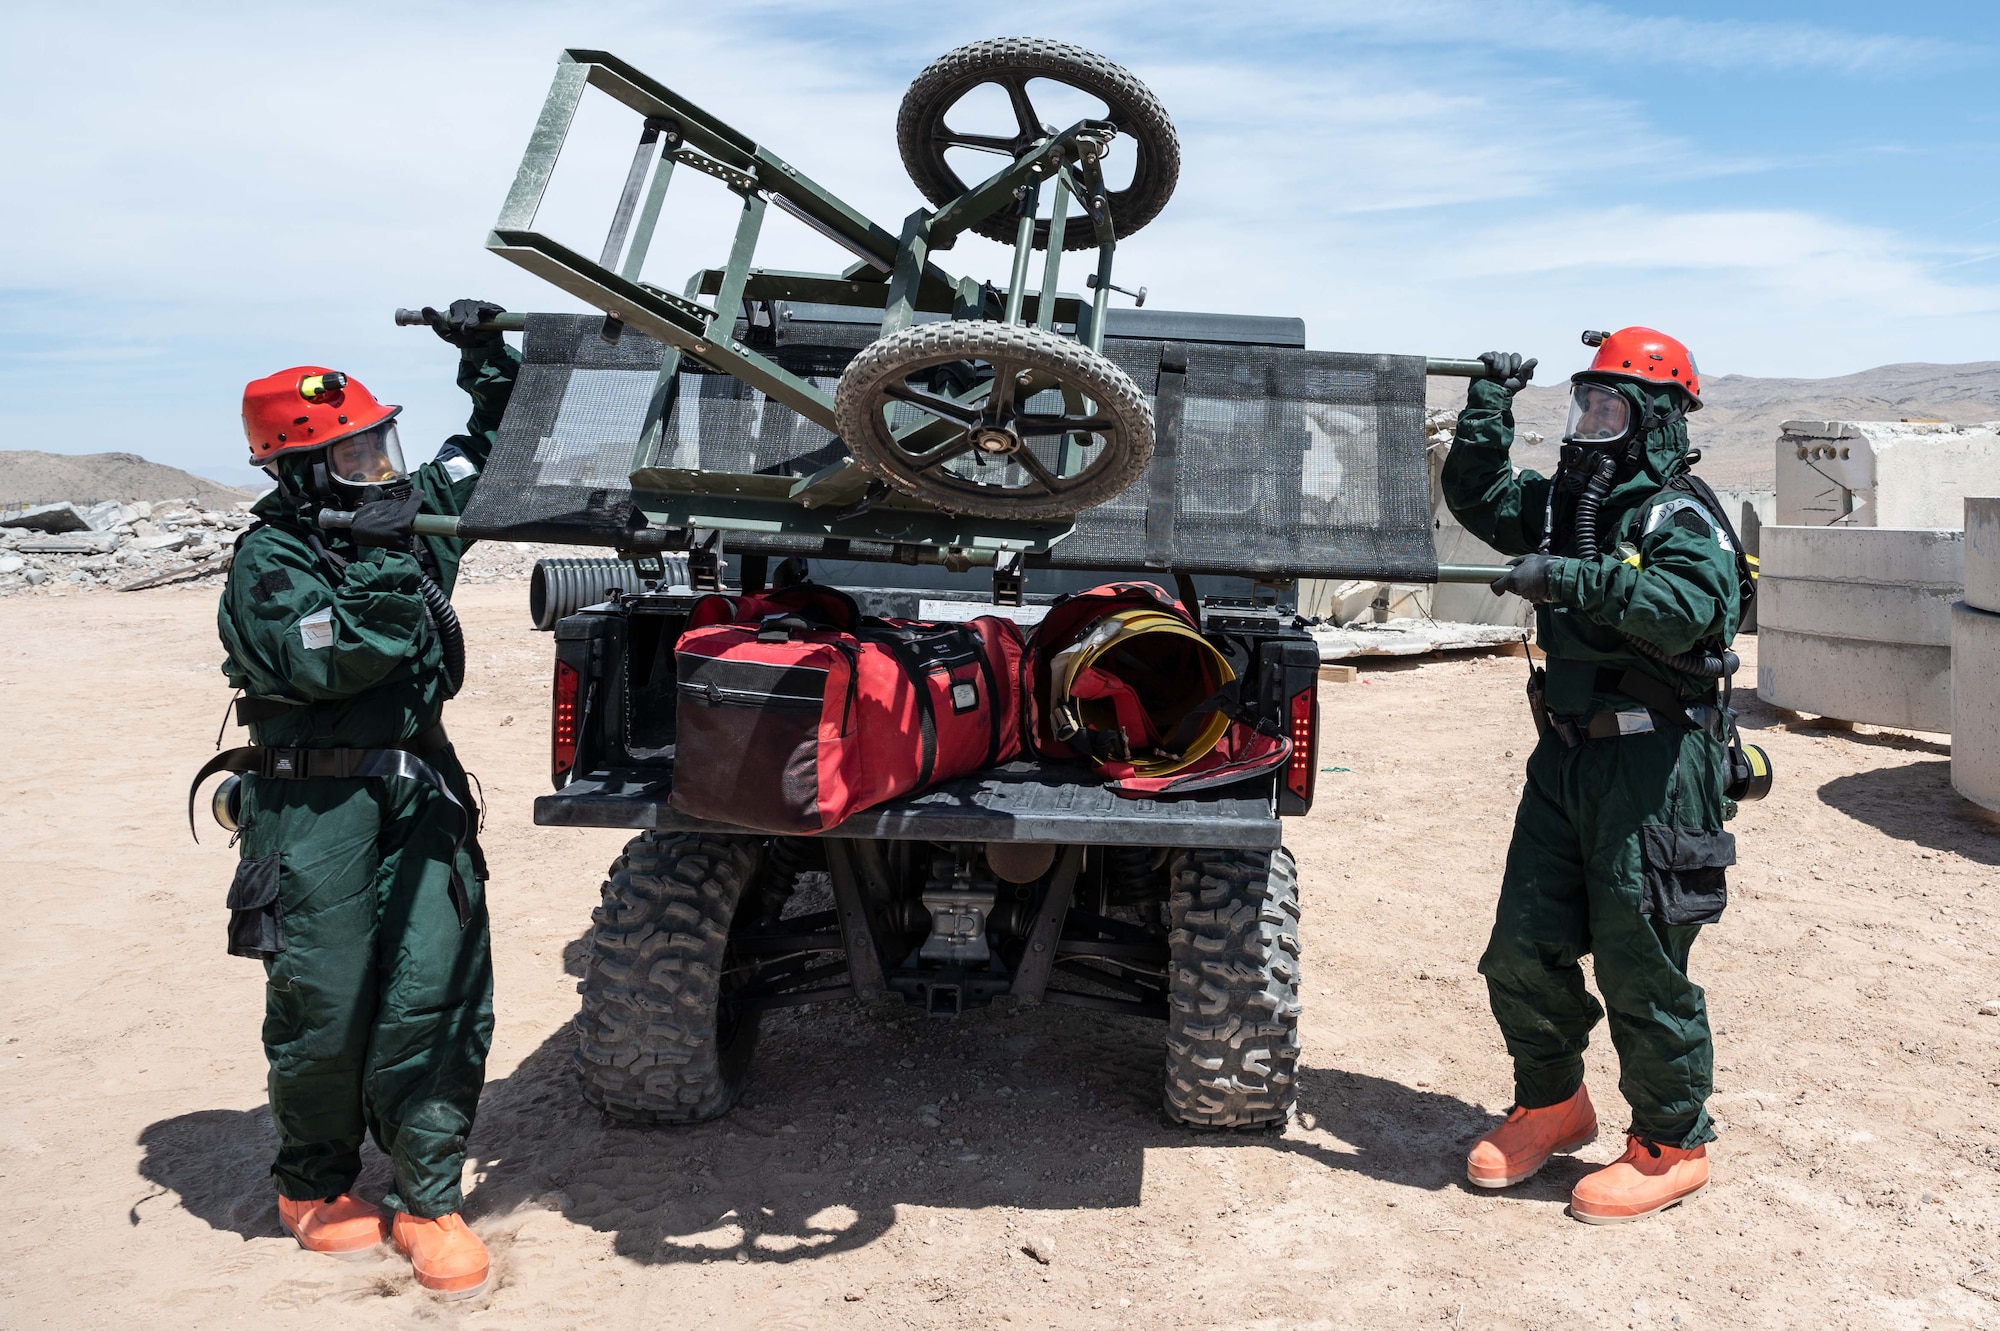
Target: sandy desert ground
{"type": "Point", "coordinates": [1855, 1179]}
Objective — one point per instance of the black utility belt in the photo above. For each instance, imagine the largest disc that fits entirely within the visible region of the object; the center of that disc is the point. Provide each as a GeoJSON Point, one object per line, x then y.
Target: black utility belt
{"type": "Point", "coordinates": [276, 764]}
{"type": "Point", "coordinates": [341, 764]}
{"type": "Point", "coordinates": [1610, 724]}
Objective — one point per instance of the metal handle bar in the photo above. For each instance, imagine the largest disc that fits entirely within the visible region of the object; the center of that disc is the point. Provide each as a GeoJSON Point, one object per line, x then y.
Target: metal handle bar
{"type": "Point", "coordinates": [509, 322]}
{"type": "Point", "coordinates": [1453, 369]}
{"type": "Point", "coordinates": [1470, 572]}
{"type": "Point", "coordinates": [426, 524]}
{"type": "Point", "coordinates": [504, 322]}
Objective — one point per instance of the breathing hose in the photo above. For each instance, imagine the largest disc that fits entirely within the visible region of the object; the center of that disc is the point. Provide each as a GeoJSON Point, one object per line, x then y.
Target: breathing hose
{"type": "Point", "coordinates": [1587, 504]}
{"type": "Point", "coordinates": [451, 636]}
{"type": "Point", "coordinates": [1702, 665]}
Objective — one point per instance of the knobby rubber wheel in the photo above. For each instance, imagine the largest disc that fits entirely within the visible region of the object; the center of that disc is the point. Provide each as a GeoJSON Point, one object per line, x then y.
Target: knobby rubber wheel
{"type": "Point", "coordinates": [656, 1042]}
{"type": "Point", "coordinates": [1233, 1007]}
{"type": "Point", "coordinates": [995, 420]}
{"type": "Point", "coordinates": [924, 134]}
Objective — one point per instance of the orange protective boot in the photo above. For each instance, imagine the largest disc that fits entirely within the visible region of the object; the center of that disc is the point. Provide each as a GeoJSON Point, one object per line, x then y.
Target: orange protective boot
{"type": "Point", "coordinates": [446, 1256]}
{"type": "Point", "coordinates": [341, 1227]}
{"type": "Point", "coordinates": [1518, 1148]}
{"type": "Point", "coordinates": [1647, 1178]}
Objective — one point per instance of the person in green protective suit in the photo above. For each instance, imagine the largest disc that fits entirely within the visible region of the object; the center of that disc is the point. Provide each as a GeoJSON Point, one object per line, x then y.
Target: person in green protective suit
{"type": "Point", "coordinates": [1618, 848]}
{"type": "Point", "coordinates": [361, 883]}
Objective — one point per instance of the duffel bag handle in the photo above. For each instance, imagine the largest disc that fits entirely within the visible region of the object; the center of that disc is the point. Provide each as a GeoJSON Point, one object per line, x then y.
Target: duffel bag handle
{"type": "Point", "coordinates": [783, 628]}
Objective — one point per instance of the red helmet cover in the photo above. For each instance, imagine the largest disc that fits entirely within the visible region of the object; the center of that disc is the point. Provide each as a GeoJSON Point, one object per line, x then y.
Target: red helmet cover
{"type": "Point", "coordinates": [298, 409]}
{"type": "Point", "coordinates": [1648, 356]}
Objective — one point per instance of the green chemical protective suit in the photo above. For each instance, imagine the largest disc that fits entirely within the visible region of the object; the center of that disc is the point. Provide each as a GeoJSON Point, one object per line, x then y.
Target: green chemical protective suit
{"type": "Point", "coordinates": [1584, 875]}
{"type": "Point", "coordinates": [379, 1007]}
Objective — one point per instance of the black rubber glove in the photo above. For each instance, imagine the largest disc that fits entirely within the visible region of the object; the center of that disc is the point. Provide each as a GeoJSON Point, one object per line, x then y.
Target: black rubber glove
{"type": "Point", "coordinates": [1527, 576]}
{"type": "Point", "coordinates": [387, 523]}
{"type": "Point", "coordinates": [1505, 368]}
{"type": "Point", "coordinates": [459, 324]}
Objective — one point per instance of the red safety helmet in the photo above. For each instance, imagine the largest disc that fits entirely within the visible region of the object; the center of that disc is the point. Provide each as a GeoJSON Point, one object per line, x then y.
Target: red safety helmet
{"type": "Point", "coordinates": [1646, 356]}
{"type": "Point", "coordinates": [307, 406]}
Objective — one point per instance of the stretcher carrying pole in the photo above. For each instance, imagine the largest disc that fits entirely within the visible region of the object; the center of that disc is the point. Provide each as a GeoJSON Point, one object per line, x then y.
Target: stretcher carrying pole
{"type": "Point", "coordinates": [425, 524]}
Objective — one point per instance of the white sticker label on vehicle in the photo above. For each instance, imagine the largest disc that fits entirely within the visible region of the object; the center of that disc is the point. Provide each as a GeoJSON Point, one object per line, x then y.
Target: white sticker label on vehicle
{"type": "Point", "coordinates": [459, 467]}
{"type": "Point", "coordinates": [959, 612]}
{"type": "Point", "coordinates": [316, 630]}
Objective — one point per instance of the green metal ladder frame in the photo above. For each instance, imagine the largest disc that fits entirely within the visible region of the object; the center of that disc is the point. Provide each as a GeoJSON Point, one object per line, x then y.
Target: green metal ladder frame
{"type": "Point", "coordinates": [893, 273]}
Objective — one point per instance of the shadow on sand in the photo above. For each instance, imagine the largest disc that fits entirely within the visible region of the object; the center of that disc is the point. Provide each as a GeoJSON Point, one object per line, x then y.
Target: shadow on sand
{"type": "Point", "coordinates": [1915, 803]}
{"type": "Point", "coordinates": [1045, 1109]}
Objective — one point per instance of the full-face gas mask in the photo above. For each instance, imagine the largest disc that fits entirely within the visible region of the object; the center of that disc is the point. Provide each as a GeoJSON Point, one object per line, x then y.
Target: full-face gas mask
{"type": "Point", "coordinates": [367, 466]}
{"type": "Point", "coordinates": [1599, 415]}
{"type": "Point", "coordinates": [352, 471]}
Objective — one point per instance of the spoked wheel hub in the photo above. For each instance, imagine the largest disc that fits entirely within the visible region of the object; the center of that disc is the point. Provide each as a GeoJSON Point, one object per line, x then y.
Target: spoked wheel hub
{"type": "Point", "coordinates": [927, 132]}
{"type": "Point", "coordinates": [996, 440]}
{"type": "Point", "coordinates": [995, 420]}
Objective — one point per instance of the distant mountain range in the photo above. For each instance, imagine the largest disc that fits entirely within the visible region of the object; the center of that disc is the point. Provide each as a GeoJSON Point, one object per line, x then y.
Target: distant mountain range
{"type": "Point", "coordinates": [1737, 427]}
{"type": "Point", "coordinates": [86, 478]}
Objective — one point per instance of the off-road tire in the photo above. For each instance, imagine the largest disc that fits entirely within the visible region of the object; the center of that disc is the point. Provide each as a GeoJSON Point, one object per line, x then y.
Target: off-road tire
{"type": "Point", "coordinates": [1233, 1007]}
{"type": "Point", "coordinates": [648, 1047]}
{"type": "Point", "coordinates": [1134, 109]}
{"type": "Point", "coordinates": [1125, 451]}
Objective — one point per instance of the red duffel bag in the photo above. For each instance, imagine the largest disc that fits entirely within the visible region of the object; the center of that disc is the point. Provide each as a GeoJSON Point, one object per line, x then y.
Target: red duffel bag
{"type": "Point", "coordinates": [795, 711]}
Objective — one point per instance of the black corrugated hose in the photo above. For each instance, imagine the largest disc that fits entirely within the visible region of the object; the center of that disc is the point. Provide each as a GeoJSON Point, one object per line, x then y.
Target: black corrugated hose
{"type": "Point", "coordinates": [451, 637]}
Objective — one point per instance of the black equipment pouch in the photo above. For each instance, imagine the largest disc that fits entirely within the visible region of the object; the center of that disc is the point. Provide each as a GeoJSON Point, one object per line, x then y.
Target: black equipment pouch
{"type": "Point", "coordinates": [1538, 707]}
{"type": "Point", "coordinates": [256, 919]}
{"type": "Point", "coordinates": [1685, 871]}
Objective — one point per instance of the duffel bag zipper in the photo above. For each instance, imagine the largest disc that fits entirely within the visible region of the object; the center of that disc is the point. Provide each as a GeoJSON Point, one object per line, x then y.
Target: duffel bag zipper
{"type": "Point", "coordinates": [853, 656]}
{"type": "Point", "coordinates": [718, 696]}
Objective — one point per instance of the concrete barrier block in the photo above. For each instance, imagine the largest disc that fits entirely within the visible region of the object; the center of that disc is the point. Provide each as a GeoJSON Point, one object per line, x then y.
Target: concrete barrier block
{"type": "Point", "coordinates": [1982, 554]}
{"type": "Point", "coordinates": [1975, 705]}
{"type": "Point", "coordinates": [1883, 473]}
{"type": "Point", "coordinates": [1857, 622]}
{"type": "Point", "coordinates": [1894, 557]}
{"type": "Point", "coordinates": [1868, 612]}
{"type": "Point", "coordinates": [1881, 683]}
{"type": "Point", "coordinates": [1874, 584]}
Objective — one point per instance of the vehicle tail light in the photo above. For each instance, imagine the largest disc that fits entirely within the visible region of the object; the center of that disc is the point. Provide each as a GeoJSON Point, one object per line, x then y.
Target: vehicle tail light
{"type": "Point", "coordinates": [562, 736]}
{"type": "Point", "coordinates": [1299, 771]}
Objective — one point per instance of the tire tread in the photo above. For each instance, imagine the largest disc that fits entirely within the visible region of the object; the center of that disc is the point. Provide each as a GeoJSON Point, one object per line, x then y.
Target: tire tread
{"type": "Point", "coordinates": [646, 1048]}
{"type": "Point", "coordinates": [1233, 1010]}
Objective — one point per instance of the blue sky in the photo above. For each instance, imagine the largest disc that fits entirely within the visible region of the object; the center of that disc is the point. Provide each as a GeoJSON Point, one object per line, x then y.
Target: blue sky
{"type": "Point", "coordinates": [203, 194]}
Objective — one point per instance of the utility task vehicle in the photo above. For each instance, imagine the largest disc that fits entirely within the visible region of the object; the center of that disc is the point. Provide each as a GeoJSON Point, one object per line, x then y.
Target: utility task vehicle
{"type": "Point", "coordinates": [941, 447]}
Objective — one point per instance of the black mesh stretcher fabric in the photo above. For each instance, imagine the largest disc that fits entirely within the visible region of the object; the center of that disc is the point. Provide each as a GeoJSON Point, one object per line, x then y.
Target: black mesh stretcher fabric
{"type": "Point", "coordinates": [1271, 461]}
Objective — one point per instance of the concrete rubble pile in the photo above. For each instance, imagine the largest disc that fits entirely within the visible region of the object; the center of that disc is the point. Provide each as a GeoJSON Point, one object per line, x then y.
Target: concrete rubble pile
{"type": "Point", "coordinates": [58, 547]}
{"type": "Point", "coordinates": [135, 546]}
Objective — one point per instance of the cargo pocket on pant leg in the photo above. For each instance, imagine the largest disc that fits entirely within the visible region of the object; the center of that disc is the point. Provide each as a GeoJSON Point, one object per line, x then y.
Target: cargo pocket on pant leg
{"type": "Point", "coordinates": [256, 919]}
{"type": "Point", "coordinates": [1685, 873]}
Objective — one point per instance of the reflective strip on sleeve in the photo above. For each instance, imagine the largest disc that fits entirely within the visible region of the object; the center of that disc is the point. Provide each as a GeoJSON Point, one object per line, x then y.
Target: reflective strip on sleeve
{"type": "Point", "coordinates": [1680, 502]}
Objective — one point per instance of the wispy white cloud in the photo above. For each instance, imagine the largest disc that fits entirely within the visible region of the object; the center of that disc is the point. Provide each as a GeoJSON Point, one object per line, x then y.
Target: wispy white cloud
{"type": "Point", "coordinates": [1438, 176]}
{"type": "Point", "coordinates": [1605, 34]}
{"type": "Point", "coordinates": [1629, 35]}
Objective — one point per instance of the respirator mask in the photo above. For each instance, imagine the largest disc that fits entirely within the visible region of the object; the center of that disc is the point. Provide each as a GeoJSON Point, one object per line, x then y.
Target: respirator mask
{"type": "Point", "coordinates": [368, 465]}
